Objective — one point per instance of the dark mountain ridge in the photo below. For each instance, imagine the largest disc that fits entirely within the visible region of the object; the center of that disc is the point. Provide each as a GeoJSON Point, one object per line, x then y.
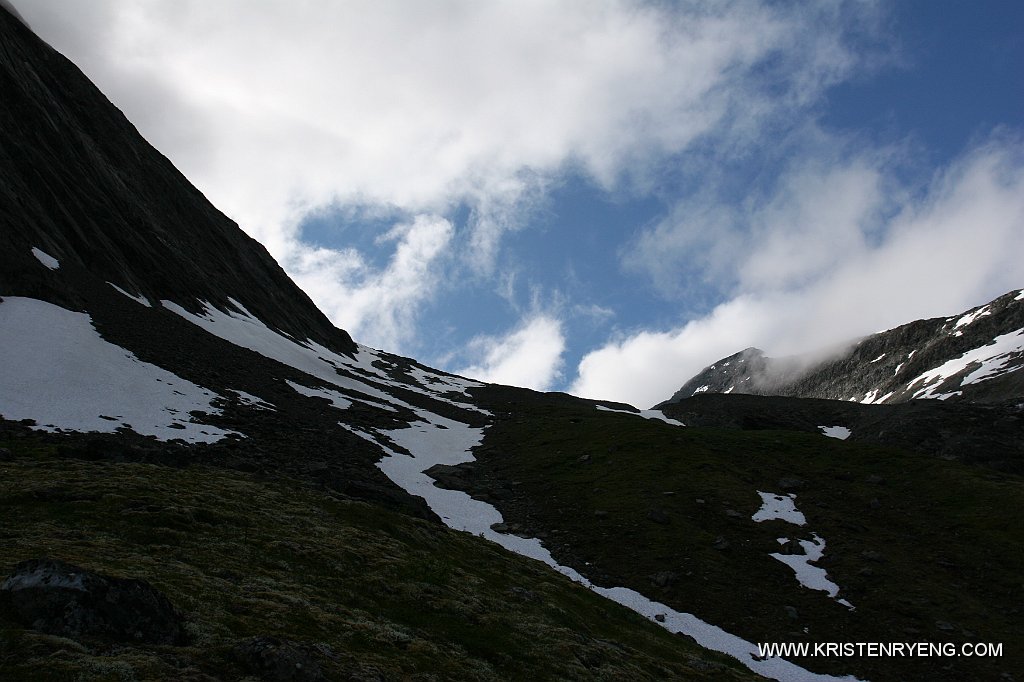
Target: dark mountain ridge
{"type": "Point", "coordinates": [81, 184]}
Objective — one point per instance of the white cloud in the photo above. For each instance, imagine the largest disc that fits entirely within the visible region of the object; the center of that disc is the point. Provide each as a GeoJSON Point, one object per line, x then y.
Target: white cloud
{"type": "Point", "coordinates": [277, 109]}
{"type": "Point", "coordinates": [827, 258]}
{"type": "Point", "coordinates": [529, 356]}
{"type": "Point", "coordinates": [379, 306]}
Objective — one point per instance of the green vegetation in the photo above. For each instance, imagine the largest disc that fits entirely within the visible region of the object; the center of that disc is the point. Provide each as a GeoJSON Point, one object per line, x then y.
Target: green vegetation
{"type": "Point", "coordinates": [926, 549]}
{"type": "Point", "coordinates": [374, 594]}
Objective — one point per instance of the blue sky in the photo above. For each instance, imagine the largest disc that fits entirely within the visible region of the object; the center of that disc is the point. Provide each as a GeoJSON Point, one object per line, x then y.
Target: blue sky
{"type": "Point", "coordinates": [595, 197]}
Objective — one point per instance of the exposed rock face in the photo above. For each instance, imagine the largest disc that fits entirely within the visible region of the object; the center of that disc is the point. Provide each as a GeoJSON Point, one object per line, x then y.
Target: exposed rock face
{"type": "Point", "coordinates": [61, 599]}
{"type": "Point", "coordinates": [81, 184]}
{"type": "Point", "coordinates": [972, 357]}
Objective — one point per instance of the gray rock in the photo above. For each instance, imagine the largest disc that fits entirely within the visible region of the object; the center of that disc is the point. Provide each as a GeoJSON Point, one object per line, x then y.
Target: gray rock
{"type": "Point", "coordinates": [61, 599]}
{"type": "Point", "coordinates": [792, 612]}
{"type": "Point", "coordinates": [278, 660]}
{"type": "Point", "coordinates": [720, 543]}
{"type": "Point", "coordinates": [792, 547]}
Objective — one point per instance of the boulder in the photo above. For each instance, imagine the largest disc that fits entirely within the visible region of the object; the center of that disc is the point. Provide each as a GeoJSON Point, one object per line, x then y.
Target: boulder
{"type": "Point", "coordinates": [58, 598]}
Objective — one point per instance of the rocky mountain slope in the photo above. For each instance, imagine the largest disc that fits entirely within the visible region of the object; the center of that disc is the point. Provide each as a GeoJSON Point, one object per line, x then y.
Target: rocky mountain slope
{"type": "Point", "coordinates": [976, 356]}
{"type": "Point", "coordinates": [176, 418]}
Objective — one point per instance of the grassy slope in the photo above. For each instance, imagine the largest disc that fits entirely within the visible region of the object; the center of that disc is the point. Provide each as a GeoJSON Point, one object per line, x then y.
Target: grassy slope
{"type": "Point", "coordinates": [383, 595]}
{"type": "Point", "coordinates": [927, 550]}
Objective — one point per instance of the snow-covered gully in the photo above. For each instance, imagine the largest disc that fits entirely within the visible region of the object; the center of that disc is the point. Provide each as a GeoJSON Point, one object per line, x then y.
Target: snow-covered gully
{"type": "Point", "coordinates": [438, 440]}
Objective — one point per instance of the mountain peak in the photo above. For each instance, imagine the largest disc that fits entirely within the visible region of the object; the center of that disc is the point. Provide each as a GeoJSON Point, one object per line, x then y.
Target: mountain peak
{"type": "Point", "coordinates": [974, 356]}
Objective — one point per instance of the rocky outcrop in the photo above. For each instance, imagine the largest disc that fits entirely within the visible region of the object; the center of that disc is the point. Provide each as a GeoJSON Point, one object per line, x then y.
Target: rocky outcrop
{"type": "Point", "coordinates": [58, 598]}
{"type": "Point", "coordinates": [972, 357]}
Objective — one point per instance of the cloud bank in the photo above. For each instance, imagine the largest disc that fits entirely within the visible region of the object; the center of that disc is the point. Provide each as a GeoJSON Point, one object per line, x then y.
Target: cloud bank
{"type": "Point", "coordinates": [529, 356]}
{"type": "Point", "coordinates": [839, 249]}
{"type": "Point", "coordinates": [276, 110]}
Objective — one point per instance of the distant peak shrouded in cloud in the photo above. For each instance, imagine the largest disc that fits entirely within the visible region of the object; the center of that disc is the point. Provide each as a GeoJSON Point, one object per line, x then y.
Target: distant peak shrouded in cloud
{"type": "Point", "coordinates": [446, 151]}
{"type": "Point", "coordinates": [829, 256]}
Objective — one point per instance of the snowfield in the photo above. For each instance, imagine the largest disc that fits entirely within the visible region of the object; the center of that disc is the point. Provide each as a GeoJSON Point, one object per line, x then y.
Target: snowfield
{"type": "Point", "coordinates": [992, 358]}
{"type": "Point", "coordinates": [56, 369]}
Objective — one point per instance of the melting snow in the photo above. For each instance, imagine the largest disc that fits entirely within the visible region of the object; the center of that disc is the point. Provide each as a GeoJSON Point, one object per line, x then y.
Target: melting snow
{"type": "Point", "coordinates": [992, 358]}
{"type": "Point", "coordinates": [971, 317]}
{"type": "Point", "coordinates": [1019, 296]}
{"type": "Point", "coordinates": [139, 298]}
{"type": "Point", "coordinates": [646, 414]}
{"type": "Point", "coordinates": [840, 432]}
{"type": "Point", "coordinates": [811, 577]}
{"type": "Point", "coordinates": [252, 400]}
{"type": "Point", "coordinates": [877, 359]}
{"type": "Point", "coordinates": [56, 369]}
{"type": "Point", "coordinates": [337, 400]}
{"type": "Point", "coordinates": [45, 258]}
{"type": "Point", "coordinates": [782, 507]}
{"type": "Point", "coordinates": [437, 440]}
{"type": "Point", "coordinates": [702, 389]}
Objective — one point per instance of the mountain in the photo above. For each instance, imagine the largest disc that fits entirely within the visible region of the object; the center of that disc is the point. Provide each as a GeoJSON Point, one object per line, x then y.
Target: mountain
{"type": "Point", "coordinates": [976, 356]}
{"type": "Point", "coordinates": [946, 387]}
{"type": "Point", "coordinates": [203, 479]}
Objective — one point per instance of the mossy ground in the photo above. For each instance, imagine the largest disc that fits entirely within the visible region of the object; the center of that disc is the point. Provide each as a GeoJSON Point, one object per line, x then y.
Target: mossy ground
{"type": "Point", "coordinates": [926, 549]}
{"type": "Point", "coordinates": [376, 594]}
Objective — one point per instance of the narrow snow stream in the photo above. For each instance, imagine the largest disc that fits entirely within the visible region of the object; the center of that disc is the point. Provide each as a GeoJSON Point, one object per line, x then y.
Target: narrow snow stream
{"type": "Point", "coordinates": [438, 440]}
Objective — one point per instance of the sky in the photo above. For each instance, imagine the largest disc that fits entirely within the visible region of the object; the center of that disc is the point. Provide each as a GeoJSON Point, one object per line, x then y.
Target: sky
{"type": "Point", "coordinates": [594, 197]}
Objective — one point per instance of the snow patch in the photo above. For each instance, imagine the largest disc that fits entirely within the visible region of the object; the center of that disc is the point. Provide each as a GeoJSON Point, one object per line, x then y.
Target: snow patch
{"type": "Point", "coordinates": [138, 298]}
{"type": "Point", "coordinates": [337, 400]}
{"type": "Point", "coordinates": [877, 359]}
{"type": "Point", "coordinates": [252, 400]}
{"type": "Point", "coordinates": [992, 358]}
{"type": "Point", "coordinates": [840, 432]}
{"type": "Point", "coordinates": [702, 389]}
{"type": "Point", "coordinates": [971, 317]}
{"type": "Point", "coordinates": [783, 507]}
{"type": "Point", "coordinates": [646, 414]}
{"type": "Point", "coordinates": [56, 369]}
{"type": "Point", "coordinates": [811, 577]}
{"type": "Point", "coordinates": [45, 258]}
